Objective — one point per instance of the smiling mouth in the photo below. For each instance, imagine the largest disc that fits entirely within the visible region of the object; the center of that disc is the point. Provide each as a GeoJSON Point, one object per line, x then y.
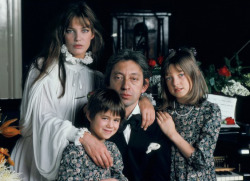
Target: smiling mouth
{"type": "Point", "coordinates": [108, 131]}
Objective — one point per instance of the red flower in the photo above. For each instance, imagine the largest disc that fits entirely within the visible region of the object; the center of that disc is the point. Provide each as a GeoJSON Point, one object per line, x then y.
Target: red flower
{"type": "Point", "coordinates": [151, 62]}
{"type": "Point", "coordinates": [160, 59]}
{"type": "Point", "coordinates": [224, 71]}
{"type": "Point", "coordinates": [230, 120]}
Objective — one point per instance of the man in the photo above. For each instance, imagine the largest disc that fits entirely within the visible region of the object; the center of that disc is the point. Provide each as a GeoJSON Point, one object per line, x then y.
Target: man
{"type": "Point", "coordinates": [128, 73]}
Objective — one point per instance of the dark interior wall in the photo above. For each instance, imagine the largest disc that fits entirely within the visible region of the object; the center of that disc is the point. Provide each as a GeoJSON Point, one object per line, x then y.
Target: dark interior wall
{"type": "Point", "coordinates": [217, 29]}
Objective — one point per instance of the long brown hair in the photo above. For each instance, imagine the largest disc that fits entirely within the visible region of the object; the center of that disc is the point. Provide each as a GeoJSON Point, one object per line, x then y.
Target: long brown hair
{"type": "Point", "coordinates": [52, 53]}
{"type": "Point", "coordinates": [184, 59]}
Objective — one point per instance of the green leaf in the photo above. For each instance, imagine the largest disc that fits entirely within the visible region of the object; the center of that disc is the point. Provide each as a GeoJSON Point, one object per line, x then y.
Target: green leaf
{"type": "Point", "coordinates": [233, 70]}
{"type": "Point", "coordinates": [212, 82]}
{"type": "Point", "coordinates": [209, 89]}
{"type": "Point", "coordinates": [212, 69]}
{"type": "Point", "coordinates": [198, 63]}
{"type": "Point", "coordinates": [216, 88]}
{"type": "Point", "coordinates": [227, 62]}
{"type": "Point", "coordinates": [238, 62]}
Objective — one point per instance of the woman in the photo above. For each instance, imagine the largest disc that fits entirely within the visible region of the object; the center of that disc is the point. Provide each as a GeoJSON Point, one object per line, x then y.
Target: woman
{"type": "Point", "coordinates": [190, 121]}
{"type": "Point", "coordinates": [55, 91]}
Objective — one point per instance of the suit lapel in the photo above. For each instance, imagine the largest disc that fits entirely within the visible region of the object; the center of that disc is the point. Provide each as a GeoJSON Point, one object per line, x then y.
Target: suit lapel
{"type": "Point", "coordinates": [139, 140]}
{"type": "Point", "coordinates": [120, 142]}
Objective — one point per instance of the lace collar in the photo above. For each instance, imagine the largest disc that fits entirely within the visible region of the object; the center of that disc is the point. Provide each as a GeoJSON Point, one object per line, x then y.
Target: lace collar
{"type": "Point", "coordinates": [73, 60]}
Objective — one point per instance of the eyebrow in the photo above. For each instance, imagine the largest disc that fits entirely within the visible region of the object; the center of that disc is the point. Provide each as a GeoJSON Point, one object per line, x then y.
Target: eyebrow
{"type": "Point", "coordinates": [117, 72]}
{"type": "Point", "coordinates": [82, 27]}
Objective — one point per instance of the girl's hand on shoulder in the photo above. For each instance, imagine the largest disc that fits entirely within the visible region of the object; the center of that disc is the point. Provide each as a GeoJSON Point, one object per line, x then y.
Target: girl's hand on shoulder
{"type": "Point", "coordinates": [166, 123]}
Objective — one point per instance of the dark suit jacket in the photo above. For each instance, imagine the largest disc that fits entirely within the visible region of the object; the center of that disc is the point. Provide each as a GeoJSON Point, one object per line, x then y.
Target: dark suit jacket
{"type": "Point", "coordinates": [139, 166]}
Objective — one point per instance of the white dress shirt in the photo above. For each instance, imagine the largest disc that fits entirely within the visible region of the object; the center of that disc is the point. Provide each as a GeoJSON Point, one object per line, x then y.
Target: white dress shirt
{"type": "Point", "coordinates": [127, 130]}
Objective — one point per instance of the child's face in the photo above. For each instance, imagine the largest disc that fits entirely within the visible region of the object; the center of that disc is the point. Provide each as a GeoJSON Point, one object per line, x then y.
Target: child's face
{"type": "Point", "coordinates": [104, 125]}
{"type": "Point", "coordinates": [178, 83]}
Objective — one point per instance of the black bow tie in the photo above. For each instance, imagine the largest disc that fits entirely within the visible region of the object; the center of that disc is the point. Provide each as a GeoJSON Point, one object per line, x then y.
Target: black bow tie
{"type": "Point", "coordinates": [134, 121]}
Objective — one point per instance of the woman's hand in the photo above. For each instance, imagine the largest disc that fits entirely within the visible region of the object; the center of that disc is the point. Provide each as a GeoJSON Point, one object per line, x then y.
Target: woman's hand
{"type": "Point", "coordinates": [166, 123]}
{"type": "Point", "coordinates": [96, 150]}
{"type": "Point", "coordinates": [147, 112]}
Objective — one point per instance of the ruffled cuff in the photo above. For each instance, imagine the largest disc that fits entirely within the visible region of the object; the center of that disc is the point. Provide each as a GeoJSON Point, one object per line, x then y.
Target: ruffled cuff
{"type": "Point", "coordinates": [76, 134]}
{"type": "Point", "coordinates": [150, 97]}
{"type": "Point", "coordinates": [80, 134]}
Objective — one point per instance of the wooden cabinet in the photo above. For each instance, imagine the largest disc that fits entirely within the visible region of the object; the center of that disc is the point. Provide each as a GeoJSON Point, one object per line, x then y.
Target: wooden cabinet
{"type": "Point", "coordinates": [146, 31]}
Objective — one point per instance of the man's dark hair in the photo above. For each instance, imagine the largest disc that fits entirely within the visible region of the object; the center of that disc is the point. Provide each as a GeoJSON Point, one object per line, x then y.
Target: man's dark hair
{"type": "Point", "coordinates": [126, 55]}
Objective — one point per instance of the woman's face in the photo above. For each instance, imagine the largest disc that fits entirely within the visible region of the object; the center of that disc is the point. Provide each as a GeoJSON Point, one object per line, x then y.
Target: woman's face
{"type": "Point", "coordinates": [178, 83]}
{"type": "Point", "coordinates": [78, 38]}
{"type": "Point", "coordinates": [104, 125]}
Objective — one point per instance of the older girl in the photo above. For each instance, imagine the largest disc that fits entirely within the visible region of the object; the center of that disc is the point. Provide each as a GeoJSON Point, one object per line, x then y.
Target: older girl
{"type": "Point", "coordinates": [190, 121]}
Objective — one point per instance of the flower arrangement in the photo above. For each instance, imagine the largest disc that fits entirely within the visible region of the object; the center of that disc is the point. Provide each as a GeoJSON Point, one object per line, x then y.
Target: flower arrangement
{"type": "Point", "coordinates": [229, 79]}
{"type": "Point", "coordinates": [155, 79]}
{"type": "Point", "coordinates": [5, 161]}
{"type": "Point", "coordinates": [232, 80]}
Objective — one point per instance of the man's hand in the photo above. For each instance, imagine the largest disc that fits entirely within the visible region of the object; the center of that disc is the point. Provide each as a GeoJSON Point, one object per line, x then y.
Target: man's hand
{"type": "Point", "coordinates": [96, 150]}
{"type": "Point", "coordinates": [147, 112]}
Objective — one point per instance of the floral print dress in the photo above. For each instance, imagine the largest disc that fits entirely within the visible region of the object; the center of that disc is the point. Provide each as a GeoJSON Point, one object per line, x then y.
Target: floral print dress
{"type": "Point", "coordinates": [77, 165]}
{"type": "Point", "coordinates": [200, 128]}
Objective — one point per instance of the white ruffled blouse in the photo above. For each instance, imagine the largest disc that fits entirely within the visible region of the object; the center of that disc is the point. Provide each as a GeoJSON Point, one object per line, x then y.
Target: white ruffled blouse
{"type": "Point", "coordinates": [48, 119]}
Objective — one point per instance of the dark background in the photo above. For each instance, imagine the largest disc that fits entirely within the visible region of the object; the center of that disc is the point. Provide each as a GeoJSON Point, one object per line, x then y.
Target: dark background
{"type": "Point", "coordinates": [217, 29]}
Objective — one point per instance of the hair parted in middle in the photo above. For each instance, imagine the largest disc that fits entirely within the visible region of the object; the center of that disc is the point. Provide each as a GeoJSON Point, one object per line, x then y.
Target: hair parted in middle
{"type": "Point", "coordinates": [185, 59]}
{"type": "Point", "coordinates": [52, 52]}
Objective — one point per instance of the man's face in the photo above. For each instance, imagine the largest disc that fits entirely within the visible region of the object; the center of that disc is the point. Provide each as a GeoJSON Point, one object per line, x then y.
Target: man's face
{"type": "Point", "coordinates": [127, 79]}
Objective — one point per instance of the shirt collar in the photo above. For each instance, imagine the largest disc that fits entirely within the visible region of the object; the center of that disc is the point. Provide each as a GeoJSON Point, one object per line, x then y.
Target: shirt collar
{"type": "Point", "coordinates": [135, 111]}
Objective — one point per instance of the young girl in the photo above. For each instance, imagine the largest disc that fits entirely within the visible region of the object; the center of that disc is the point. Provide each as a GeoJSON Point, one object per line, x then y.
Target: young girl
{"type": "Point", "coordinates": [55, 91]}
{"type": "Point", "coordinates": [105, 112]}
{"type": "Point", "coordinates": [188, 119]}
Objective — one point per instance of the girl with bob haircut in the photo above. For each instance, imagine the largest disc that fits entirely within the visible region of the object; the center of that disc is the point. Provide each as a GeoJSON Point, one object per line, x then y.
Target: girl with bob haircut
{"type": "Point", "coordinates": [186, 117]}
{"type": "Point", "coordinates": [105, 114]}
{"type": "Point", "coordinates": [185, 60]}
